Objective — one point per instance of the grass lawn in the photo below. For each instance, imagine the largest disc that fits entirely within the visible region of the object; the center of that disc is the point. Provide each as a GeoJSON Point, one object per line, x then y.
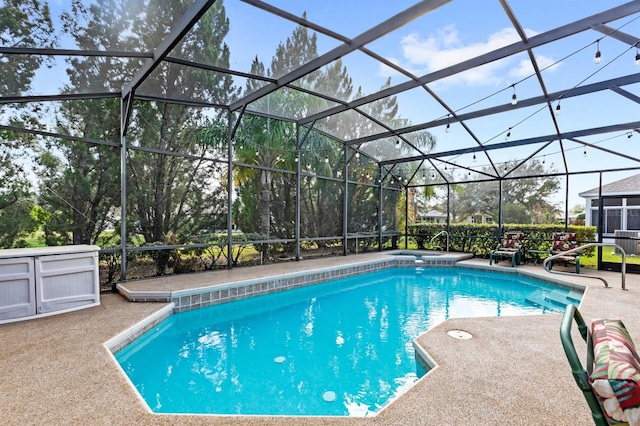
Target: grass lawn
{"type": "Point", "coordinates": [35, 241]}
{"type": "Point", "coordinates": [608, 255]}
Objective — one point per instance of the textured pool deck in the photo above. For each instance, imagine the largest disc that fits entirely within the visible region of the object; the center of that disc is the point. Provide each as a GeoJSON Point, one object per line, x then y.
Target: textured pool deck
{"type": "Point", "coordinates": [56, 370]}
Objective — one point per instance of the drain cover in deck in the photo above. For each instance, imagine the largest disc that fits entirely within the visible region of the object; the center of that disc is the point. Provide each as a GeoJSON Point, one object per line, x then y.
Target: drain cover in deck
{"type": "Point", "coordinates": [459, 334]}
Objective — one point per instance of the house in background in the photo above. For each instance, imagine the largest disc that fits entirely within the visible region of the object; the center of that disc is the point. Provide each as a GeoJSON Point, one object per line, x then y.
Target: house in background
{"type": "Point", "coordinates": [480, 218]}
{"type": "Point", "coordinates": [621, 211]}
{"type": "Point", "coordinates": [433, 216]}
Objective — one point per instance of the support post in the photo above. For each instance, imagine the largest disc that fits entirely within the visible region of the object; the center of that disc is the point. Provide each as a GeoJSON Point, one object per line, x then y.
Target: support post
{"type": "Point", "coordinates": [345, 207]}
{"type": "Point", "coordinates": [500, 210]}
{"type": "Point", "coordinates": [600, 221]}
{"type": "Point", "coordinates": [406, 217]}
{"type": "Point", "coordinates": [298, 192]}
{"type": "Point", "coordinates": [449, 210]}
{"type": "Point", "coordinates": [566, 205]}
{"type": "Point", "coordinates": [229, 192]}
{"type": "Point", "coordinates": [125, 113]}
{"type": "Point", "coordinates": [379, 207]}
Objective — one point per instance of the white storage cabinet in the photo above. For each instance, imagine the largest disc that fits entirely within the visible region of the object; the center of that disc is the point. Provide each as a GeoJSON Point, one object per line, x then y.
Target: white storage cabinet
{"type": "Point", "coordinates": [45, 281]}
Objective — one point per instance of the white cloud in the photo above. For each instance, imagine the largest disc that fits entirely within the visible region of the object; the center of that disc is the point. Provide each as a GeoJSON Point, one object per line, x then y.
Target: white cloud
{"type": "Point", "coordinates": [385, 71]}
{"type": "Point", "coordinates": [445, 48]}
{"type": "Point", "coordinates": [525, 69]}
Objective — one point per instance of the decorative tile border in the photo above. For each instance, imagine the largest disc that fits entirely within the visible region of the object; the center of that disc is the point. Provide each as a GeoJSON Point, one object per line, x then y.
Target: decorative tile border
{"type": "Point", "coordinates": [185, 300]}
{"type": "Point", "coordinates": [558, 282]}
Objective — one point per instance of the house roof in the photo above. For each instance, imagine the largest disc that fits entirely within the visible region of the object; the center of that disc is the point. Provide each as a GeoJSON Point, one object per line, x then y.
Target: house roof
{"type": "Point", "coordinates": [435, 213]}
{"type": "Point", "coordinates": [626, 186]}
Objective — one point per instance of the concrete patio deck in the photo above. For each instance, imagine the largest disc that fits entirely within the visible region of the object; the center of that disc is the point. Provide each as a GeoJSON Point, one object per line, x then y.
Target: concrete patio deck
{"type": "Point", "coordinates": [55, 370]}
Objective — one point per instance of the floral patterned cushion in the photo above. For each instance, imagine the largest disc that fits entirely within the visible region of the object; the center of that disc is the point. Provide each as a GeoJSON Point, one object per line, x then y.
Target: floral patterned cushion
{"type": "Point", "coordinates": [616, 375]}
{"type": "Point", "coordinates": [564, 241]}
{"type": "Point", "coordinates": [513, 240]}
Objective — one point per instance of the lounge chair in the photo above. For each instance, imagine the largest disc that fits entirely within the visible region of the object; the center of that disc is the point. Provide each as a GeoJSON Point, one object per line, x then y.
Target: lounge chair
{"type": "Point", "coordinates": [512, 248]}
{"type": "Point", "coordinates": [611, 381]}
{"type": "Point", "coordinates": [562, 242]}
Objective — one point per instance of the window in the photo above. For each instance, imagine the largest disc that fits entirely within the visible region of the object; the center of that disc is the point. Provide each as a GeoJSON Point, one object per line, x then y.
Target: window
{"type": "Point", "coordinates": [633, 219]}
{"type": "Point", "coordinates": [619, 213]}
{"type": "Point", "coordinates": [617, 201]}
{"type": "Point", "coordinates": [612, 220]}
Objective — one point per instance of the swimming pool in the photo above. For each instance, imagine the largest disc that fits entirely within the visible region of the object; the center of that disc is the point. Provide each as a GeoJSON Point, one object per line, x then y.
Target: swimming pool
{"type": "Point", "coordinates": [342, 348]}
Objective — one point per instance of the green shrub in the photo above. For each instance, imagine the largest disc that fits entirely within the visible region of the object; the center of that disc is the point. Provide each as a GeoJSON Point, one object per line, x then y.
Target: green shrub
{"type": "Point", "coordinates": [480, 239]}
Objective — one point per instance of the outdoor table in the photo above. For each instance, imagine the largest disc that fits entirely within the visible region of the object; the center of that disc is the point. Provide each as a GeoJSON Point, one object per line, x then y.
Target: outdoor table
{"type": "Point", "coordinates": [537, 255]}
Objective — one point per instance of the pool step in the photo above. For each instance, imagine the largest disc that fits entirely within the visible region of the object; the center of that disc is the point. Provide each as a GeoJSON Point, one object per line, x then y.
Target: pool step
{"type": "Point", "coordinates": [537, 298]}
{"type": "Point", "coordinates": [554, 298]}
{"type": "Point", "coordinates": [564, 297]}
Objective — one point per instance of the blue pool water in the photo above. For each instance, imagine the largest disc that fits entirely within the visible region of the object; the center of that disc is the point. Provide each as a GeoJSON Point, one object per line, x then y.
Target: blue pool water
{"type": "Point", "coordinates": [342, 348]}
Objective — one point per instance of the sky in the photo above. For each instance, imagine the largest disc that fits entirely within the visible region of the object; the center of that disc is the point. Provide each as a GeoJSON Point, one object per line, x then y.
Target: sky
{"type": "Point", "coordinates": [466, 28]}
{"type": "Point", "coordinates": [457, 31]}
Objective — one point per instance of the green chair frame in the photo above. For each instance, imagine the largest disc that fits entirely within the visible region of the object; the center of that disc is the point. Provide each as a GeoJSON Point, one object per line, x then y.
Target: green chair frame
{"type": "Point", "coordinates": [568, 258]}
{"type": "Point", "coordinates": [515, 254]}
{"type": "Point", "coordinates": [581, 376]}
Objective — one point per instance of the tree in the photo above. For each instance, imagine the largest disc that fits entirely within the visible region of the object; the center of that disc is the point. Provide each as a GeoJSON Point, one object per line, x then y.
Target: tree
{"type": "Point", "coordinates": [524, 200]}
{"type": "Point", "coordinates": [16, 199]}
{"type": "Point", "coordinates": [23, 23]}
{"type": "Point", "coordinates": [515, 213]}
{"type": "Point", "coordinates": [578, 209]}
{"type": "Point", "coordinates": [457, 208]}
{"type": "Point", "coordinates": [266, 197]}
{"type": "Point", "coordinates": [386, 111]}
{"type": "Point", "coordinates": [269, 143]}
{"type": "Point", "coordinates": [80, 185]}
{"type": "Point", "coordinates": [167, 191]}
{"type": "Point", "coordinates": [171, 183]}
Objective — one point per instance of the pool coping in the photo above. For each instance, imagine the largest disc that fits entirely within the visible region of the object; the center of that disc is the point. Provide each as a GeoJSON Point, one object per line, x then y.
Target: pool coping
{"type": "Point", "coordinates": [128, 335]}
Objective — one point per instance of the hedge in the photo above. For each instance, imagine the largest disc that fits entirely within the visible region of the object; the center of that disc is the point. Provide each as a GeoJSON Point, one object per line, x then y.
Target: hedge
{"type": "Point", "coordinates": [480, 239]}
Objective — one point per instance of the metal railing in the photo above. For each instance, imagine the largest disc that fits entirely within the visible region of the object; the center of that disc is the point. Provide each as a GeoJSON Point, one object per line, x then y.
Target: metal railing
{"type": "Point", "coordinates": [437, 235]}
{"type": "Point", "coordinates": [576, 250]}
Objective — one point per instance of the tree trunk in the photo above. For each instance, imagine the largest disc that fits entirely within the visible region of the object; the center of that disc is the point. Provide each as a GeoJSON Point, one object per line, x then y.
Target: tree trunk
{"type": "Point", "coordinates": [265, 209]}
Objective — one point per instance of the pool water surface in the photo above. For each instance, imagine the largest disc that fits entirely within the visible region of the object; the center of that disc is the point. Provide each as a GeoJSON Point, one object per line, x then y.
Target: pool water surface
{"type": "Point", "coordinates": [341, 348]}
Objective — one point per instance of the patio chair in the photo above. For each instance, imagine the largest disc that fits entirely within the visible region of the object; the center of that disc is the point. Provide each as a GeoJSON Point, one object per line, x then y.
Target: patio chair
{"type": "Point", "coordinates": [512, 248]}
{"type": "Point", "coordinates": [611, 381]}
{"type": "Point", "coordinates": [562, 242]}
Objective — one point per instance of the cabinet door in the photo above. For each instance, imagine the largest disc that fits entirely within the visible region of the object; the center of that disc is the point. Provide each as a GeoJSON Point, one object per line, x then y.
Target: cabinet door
{"type": "Point", "coordinates": [17, 288]}
{"type": "Point", "coordinates": [67, 281]}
